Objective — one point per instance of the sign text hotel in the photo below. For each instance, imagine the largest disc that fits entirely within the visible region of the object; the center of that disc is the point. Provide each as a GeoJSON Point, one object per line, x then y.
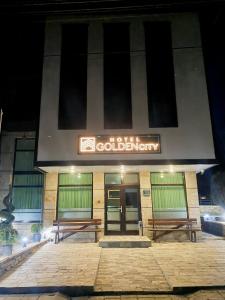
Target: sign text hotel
{"type": "Point", "coordinates": [119, 144]}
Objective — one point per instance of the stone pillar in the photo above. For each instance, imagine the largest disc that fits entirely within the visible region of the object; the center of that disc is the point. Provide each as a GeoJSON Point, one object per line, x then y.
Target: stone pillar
{"type": "Point", "coordinates": [99, 199]}
{"type": "Point", "coordinates": [146, 202]}
{"type": "Point", "coordinates": [192, 196]}
{"type": "Point", "coordinates": [50, 199]}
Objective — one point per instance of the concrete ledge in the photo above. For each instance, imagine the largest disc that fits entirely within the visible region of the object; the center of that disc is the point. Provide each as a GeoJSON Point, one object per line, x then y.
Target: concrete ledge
{"type": "Point", "coordinates": [214, 227]}
{"type": "Point", "coordinates": [125, 242]}
{"type": "Point", "coordinates": [9, 262]}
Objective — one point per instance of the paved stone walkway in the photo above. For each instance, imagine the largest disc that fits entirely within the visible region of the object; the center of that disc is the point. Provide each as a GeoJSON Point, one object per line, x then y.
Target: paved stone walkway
{"type": "Point", "coordinates": [130, 270]}
{"type": "Point", "coordinates": [56, 265]}
{"type": "Point", "coordinates": [192, 264]}
{"type": "Point", "coordinates": [159, 268]}
{"type": "Point", "coordinates": [200, 295]}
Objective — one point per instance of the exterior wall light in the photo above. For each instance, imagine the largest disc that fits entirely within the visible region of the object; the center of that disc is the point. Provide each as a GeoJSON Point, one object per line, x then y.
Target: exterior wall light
{"type": "Point", "coordinates": [24, 242]}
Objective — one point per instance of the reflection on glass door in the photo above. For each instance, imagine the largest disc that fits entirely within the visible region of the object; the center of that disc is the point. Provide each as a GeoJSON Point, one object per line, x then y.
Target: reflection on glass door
{"type": "Point", "coordinates": [113, 210]}
{"type": "Point", "coordinates": [122, 210]}
{"type": "Point", "coordinates": [131, 209]}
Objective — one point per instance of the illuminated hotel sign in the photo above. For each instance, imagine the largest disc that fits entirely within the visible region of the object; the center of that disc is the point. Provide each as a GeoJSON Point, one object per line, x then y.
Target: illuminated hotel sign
{"type": "Point", "coordinates": [119, 144]}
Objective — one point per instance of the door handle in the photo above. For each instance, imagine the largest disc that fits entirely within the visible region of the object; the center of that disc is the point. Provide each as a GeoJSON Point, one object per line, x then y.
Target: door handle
{"type": "Point", "coordinates": [121, 209]}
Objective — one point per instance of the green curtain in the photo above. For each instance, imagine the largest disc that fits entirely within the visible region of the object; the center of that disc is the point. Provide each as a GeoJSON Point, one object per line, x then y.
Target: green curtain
{"type": "Point", "coordinates": [75, 179]}
{"type": "Point", "coordinates": [24, 161]}
{"type": "Point", "coordinates": [167, 178]}
{"type": "Point", "coordinates": [31, 179]}
{"type": "Point", "coordinates": [75, 197]}
{"type": "Point", "coordinates": [168, 197]}
{"type": "Point", "coordinates": [27, 197]}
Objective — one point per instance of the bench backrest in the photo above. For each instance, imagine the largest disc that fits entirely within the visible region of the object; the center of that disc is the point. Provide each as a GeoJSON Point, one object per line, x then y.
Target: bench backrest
{"type": "Point", "coordinates": [72, 222]}
{"type": "Point", "coordinates": [179, 221]}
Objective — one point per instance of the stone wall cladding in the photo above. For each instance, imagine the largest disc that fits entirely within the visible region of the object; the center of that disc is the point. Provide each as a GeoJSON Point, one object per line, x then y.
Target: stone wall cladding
{"type": "Point", "coordinates": [50, 199]}
{"type": "Point", "coordinates": [192, 196]}
{"type": "Point", "coordinates": [99, 200]}
{"type": "Point", "coordinates": [146, 202]}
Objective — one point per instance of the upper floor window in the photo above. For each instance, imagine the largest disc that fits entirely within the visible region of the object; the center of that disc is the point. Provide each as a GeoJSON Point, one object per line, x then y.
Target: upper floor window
{"type": "Point", "coordinates": [73, 77]}
{"type": "Point", "coordinates": [117, 77]}
{"type": "Point", "coordinates": [162, 109]}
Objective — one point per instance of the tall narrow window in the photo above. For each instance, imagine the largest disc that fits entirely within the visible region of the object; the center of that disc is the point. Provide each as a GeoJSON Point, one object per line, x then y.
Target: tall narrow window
{"type": "Point", "coordinates": [168, 195]}
{"type": "Point", "coordinates": [73, 77]}
{"type": "Point", "coordinates": [27, 183]}
{"type": "Point", "coordinates": [75, 196]}
{"type": "Point", "coordinates": [117, 82]}
{"type": "Point", "coordinates": [160, 75]}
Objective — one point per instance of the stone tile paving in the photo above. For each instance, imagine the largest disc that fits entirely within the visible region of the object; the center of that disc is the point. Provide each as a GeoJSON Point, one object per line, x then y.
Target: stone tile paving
{"type": "Point", "coordinates": [192, 264]}
{"type": "Point", "coordinates": [158, 268]}
{"type": "Point", "coordinates": [56, 265]}
{"type": "Point", "coordinates": [129, 270]}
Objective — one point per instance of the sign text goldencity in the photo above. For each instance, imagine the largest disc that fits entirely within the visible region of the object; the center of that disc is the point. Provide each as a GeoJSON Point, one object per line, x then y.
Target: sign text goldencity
{"type": "Point", "coordinates": [119, 144]}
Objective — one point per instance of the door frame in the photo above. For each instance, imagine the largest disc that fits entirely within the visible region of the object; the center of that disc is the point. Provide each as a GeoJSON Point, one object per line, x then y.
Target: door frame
{"type": "Point", "coordinates": [122, 221]}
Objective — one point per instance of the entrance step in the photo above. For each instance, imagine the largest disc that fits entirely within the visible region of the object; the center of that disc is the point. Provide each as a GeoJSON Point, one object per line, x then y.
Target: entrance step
{"type": "Point", "coordinates": [118, 241]}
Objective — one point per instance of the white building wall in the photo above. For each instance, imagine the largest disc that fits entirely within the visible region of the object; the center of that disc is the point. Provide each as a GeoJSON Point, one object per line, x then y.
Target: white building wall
{"type": "Point", "coordinates": [191, 140]}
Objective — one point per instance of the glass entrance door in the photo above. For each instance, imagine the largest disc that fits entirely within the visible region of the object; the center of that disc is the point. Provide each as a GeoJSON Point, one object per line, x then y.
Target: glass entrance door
{"type": "Point", "coordinates": [122, 210]}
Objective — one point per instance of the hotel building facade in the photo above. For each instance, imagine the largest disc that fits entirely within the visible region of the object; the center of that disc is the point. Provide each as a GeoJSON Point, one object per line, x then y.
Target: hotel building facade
{"type": "Point", "coordinates": [124, 124]}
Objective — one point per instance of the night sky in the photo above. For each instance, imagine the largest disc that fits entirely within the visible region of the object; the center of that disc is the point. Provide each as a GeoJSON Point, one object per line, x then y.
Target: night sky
{"type": "Point", "coordinates": [21, 71]}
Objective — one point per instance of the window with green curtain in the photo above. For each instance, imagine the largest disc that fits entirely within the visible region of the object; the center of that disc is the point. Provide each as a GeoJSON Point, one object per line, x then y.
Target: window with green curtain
{"type": "Point", "coordinates": [167, 178]}
{"type": "Point", "coordinates": [168, 195]}
{"type": "Point", "coordinates": [75, 195]}
{"type": "Point", "coordinates": [27, 182]}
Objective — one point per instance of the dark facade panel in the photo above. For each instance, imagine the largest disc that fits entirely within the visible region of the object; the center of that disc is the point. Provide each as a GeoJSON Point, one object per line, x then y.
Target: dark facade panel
{"type": "Point", "coordinates": [117, 77]}
{"type": "Point", "coordinates": [73, 77]}
{"type": "Point", "coordinates": [160, 75]}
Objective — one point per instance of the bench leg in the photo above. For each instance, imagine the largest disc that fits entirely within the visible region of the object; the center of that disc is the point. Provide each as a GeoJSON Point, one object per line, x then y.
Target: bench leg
{"type": "Point", "coordinates": [193, 236]}
{"type": "Point", "coordinates": [56, 238]}
{"type": "Point", "coordinates": [95, 236]}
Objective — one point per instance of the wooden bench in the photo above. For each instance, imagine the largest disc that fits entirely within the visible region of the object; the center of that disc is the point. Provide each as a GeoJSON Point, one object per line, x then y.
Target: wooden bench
{"type": "Point", "coordinates": [69, 227]}
{"type": "Point", "coordinates": [166, 226]}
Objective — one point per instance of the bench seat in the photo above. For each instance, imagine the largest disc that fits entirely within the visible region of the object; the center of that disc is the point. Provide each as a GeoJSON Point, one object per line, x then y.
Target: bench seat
{"type": "Point", "coordinates": [181, 224]}
{"type": "Point", "coordinates": [72, 226]}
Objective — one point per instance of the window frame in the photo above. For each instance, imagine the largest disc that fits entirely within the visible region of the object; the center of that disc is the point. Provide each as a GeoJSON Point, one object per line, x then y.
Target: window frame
{"type": "Point", "coordinates": [73, 185]}
{"type": "Point", "coordinates": [170, 184]}
{"type": "Point", "coordinates": [122, 182]}
{"type": "Point", "coordinates": [34, 172]}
